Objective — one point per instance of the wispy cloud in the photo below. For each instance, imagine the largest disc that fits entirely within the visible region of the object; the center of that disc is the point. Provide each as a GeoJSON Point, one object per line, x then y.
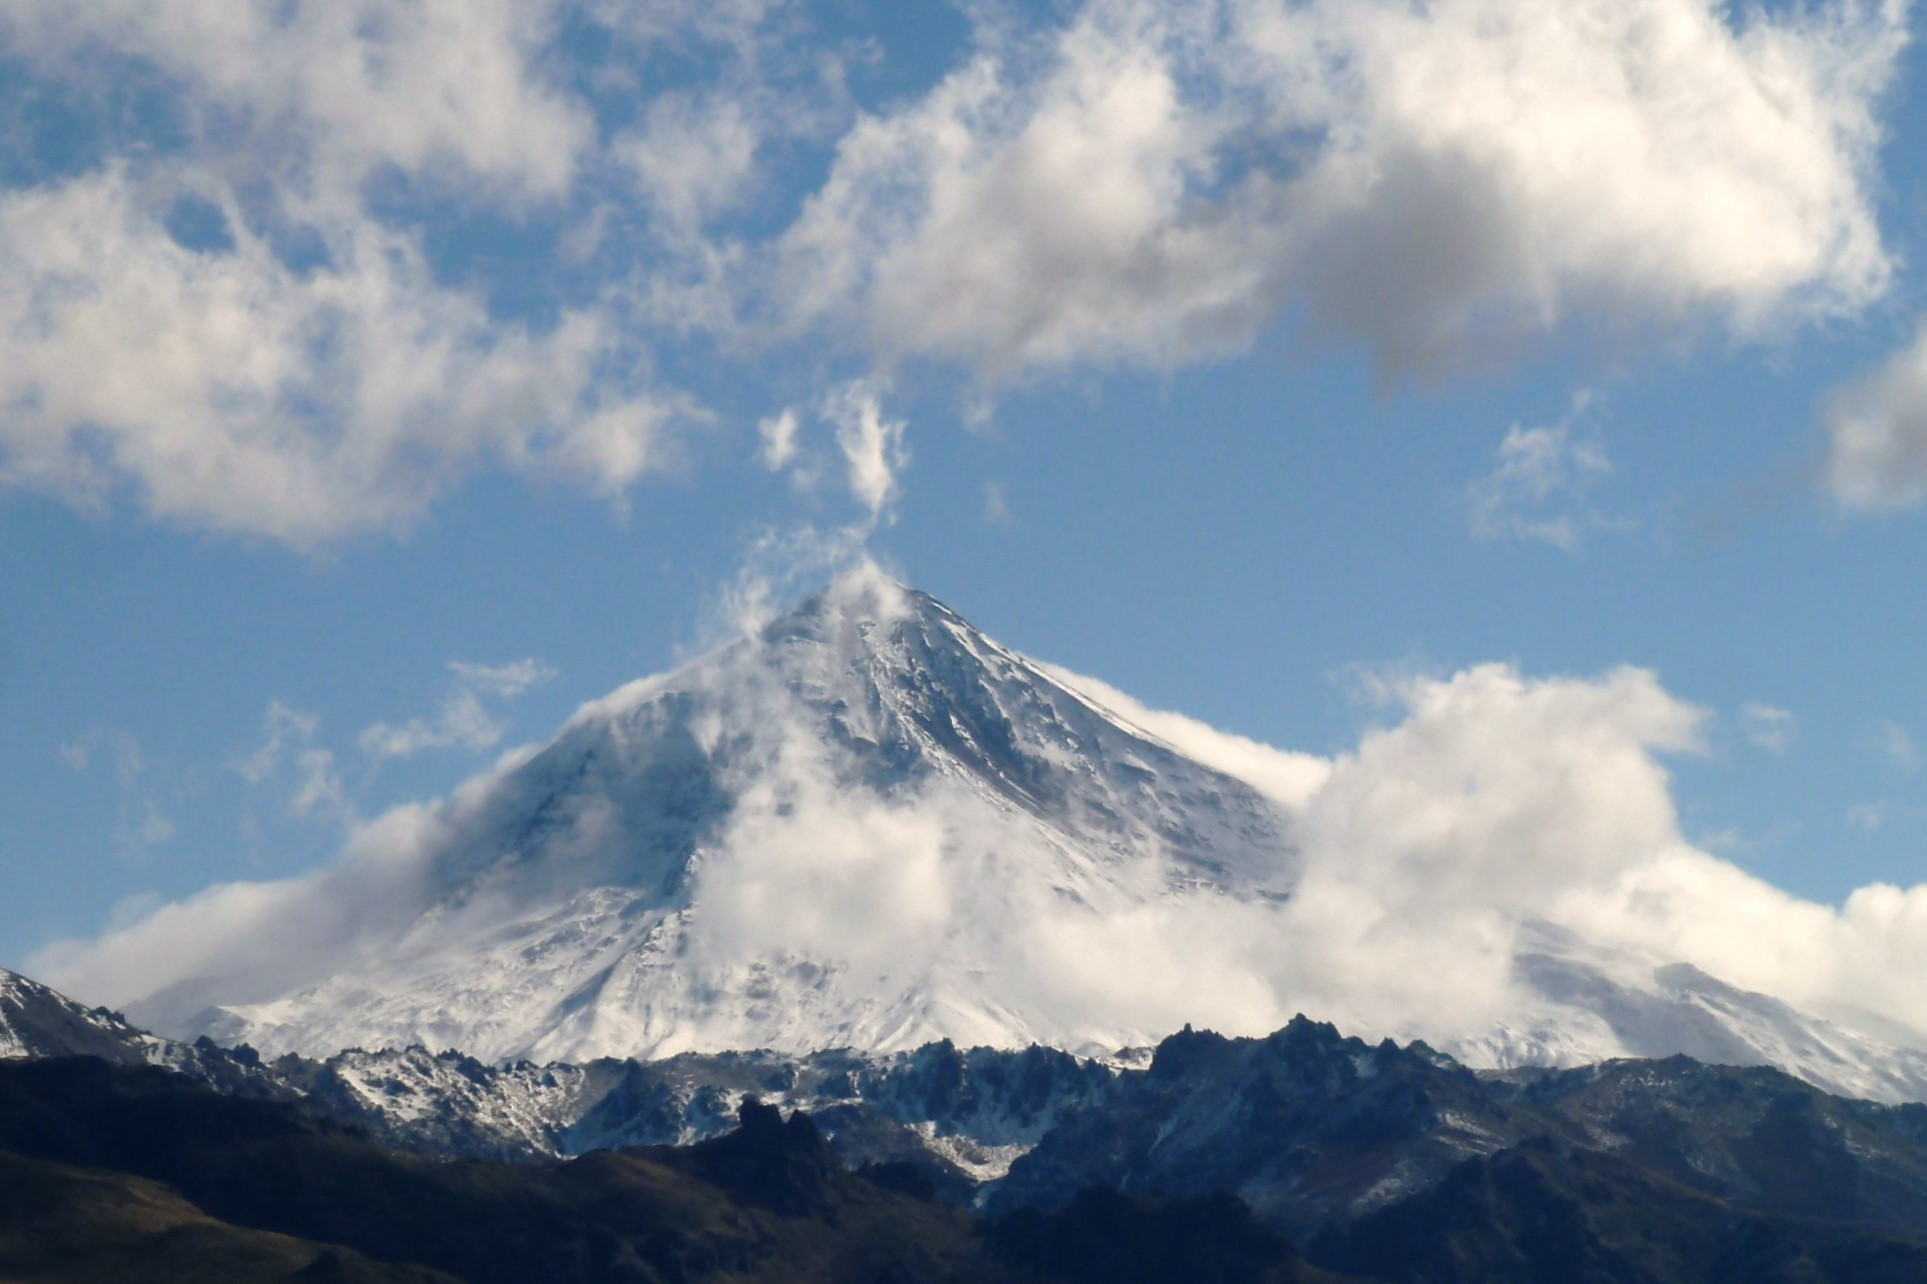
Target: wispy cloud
{"type": "Point", "coordinates": [1897, 746]}
{"type": "Point", "coordinates": [996, 505]}
{"type": "Point", "coordinates": [871, 444]}
{"type": "Point", "coordinates": [777, 435]}
{"type": "Point", "coordinates": [289, 742]}
{"type": "Point", "coordinates": [1767, 726]}
{"type": "Point", "coordinates": [464, 720]}
{"type": "Point", "coordinates": [1867, 817]}
{"type": "Point", "coordinates": [1877, 433]}
{"type": "Point", "coordinates": [141, 820]}
{"type": "Point", "coordinates": [1541, 485]}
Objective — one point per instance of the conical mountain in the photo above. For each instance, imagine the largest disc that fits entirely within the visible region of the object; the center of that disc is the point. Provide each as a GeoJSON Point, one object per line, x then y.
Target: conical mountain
{"type": "Point", "coordinates": [865, 825]}
{"type": "Point", "coordinates": [869, 826]}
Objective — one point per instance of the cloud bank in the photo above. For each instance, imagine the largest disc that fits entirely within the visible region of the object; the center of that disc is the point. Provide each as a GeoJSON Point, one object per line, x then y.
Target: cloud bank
{"type": "Point", "coordinates": [1159, 182]}
{"type": "Point", "coordinates": [1489, 802]}
{"type": "Point", "coordinates": [257, 308]}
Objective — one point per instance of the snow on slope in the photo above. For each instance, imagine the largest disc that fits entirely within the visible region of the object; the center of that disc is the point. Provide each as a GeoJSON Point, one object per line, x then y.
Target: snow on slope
{"type": "Point", "coordinates": [845, 831]}
{"type": "Point", "coordinates": [1582, 1004]}
{"type": "Point", "coordinates": [38, 1022]}
{"type": "Point", "coordinates": [869, 826]}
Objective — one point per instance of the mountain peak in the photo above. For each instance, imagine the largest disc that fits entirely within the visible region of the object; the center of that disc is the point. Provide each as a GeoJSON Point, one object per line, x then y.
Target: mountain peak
{"type": "Point", "coordinates": [864, 824]}
{"type": "Point", "coordinates": [36, 1021]}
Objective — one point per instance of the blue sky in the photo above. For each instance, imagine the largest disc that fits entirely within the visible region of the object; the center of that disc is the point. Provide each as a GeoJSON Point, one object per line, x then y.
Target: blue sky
{"type": "Point", "coordinates": [386, 379]}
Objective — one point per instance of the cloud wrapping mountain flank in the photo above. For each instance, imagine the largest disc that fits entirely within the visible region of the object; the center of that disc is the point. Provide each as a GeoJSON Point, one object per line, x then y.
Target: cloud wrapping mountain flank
{"type": "Point", "coordinates": [868, 825]}
{"type": "Point", "coordinates": [299, 272]}
{"type": "Point", "coordinates": [1146, 183]}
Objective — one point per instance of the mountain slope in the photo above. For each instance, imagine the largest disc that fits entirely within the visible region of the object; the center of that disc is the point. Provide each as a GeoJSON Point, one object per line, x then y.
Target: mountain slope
{"type": "Point", "coordinates": [36, 1021]}
{"type": "Point", "coordinates": [826, 835]}
{"type": "Point", "coordinates": [869, 826]}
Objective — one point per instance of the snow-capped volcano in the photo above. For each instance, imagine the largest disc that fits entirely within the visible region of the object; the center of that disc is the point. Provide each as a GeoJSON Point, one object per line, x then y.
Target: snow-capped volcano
{"type": "Point", "coordinates": [866, 825]}
{"type": "Point", "coordinates": [844, 830]}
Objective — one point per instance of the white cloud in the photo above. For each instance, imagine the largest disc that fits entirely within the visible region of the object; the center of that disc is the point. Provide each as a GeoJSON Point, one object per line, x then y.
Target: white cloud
{"type": "Point", "coordinates": [464, 720]}
{"type": "Point", "coordinates": [872, 445]}
{"type": "Point", "coordinates": [264, 935]}
{"type": "Point", "coordinates": [1494, 801]}
{"type": "Point", "coordinates": [1877, 432]}
{"type": "Point", "coordinates": [1897, 746]}
{"type": "Point", "coordinates": [141, 822]}
{"type": "Point", "coordinates": [1288, 778]}
{"type": "Point", "coordinates": [235, 393]}
{"type": "Point", "coordinates": [288, 738]}
{"type": "Point", "coordinates": [504, 681]}
{"type": "Point", "coordinates": [1148, 182]}
{"type": "Point", "coordinates": [342, 89]}
{"type": "Point", "coordinates": [693, 156]}
{"type": "Point", "coordinates": [1163, 181]}
{"type": "Point", "coordinates": [317, 378]}
{"type": "Point", "coordinates": [777, 435]}
{"type": "Point", "coordinates": [1540, 488]}
{"type": "Point", "coordinates": [808, 865]}
{"type": "Point", "coordinates": [1767, 726]}
{"type": "Point", "coordinates": [1538, 468]}
{"type": "Point", "coordinates": [996, 505]}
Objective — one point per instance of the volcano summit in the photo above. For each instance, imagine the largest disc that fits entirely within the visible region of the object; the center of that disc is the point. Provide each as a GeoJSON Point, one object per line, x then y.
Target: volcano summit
{"type": "Point", "coordinates": [866, 825]}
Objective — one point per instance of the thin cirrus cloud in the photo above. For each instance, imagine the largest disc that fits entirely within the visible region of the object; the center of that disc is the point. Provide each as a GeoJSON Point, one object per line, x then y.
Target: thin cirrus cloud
{"type": "Point", "coordinates": [1144, 183]}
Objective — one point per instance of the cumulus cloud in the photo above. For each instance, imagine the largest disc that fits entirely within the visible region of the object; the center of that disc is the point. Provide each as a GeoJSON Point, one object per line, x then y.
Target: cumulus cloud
{"type": "Point", "coordinates": [464, 720]}
{"type": "Point", "coordinates": [232, 391]}
{"type": "Point", "coordinates": [344, 89]}
{"type": "Point", "coordinates": [1138, 182]}
{"type": "Point", "coordinates": [264, 936]}
{"type": "Point", "coordinates": [1877, 434]}
{"type": "Point", "coordinates": [692, 156]}
{"type": "Point", "coordinates": [1490, 803]}
{"type": "Point", "coordinates": [1159, 182]}
{"type": "Point", "coordinates": [1286, 777]}
{"type": "Point", "coordinates": [305, 366]}
{"type": "Point", "coordinates": [808, 866]}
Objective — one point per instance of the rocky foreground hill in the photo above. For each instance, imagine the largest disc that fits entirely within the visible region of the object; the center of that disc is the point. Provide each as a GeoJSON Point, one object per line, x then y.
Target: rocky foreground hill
{"type": "Point", "coordinates": [1305, 1155]}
